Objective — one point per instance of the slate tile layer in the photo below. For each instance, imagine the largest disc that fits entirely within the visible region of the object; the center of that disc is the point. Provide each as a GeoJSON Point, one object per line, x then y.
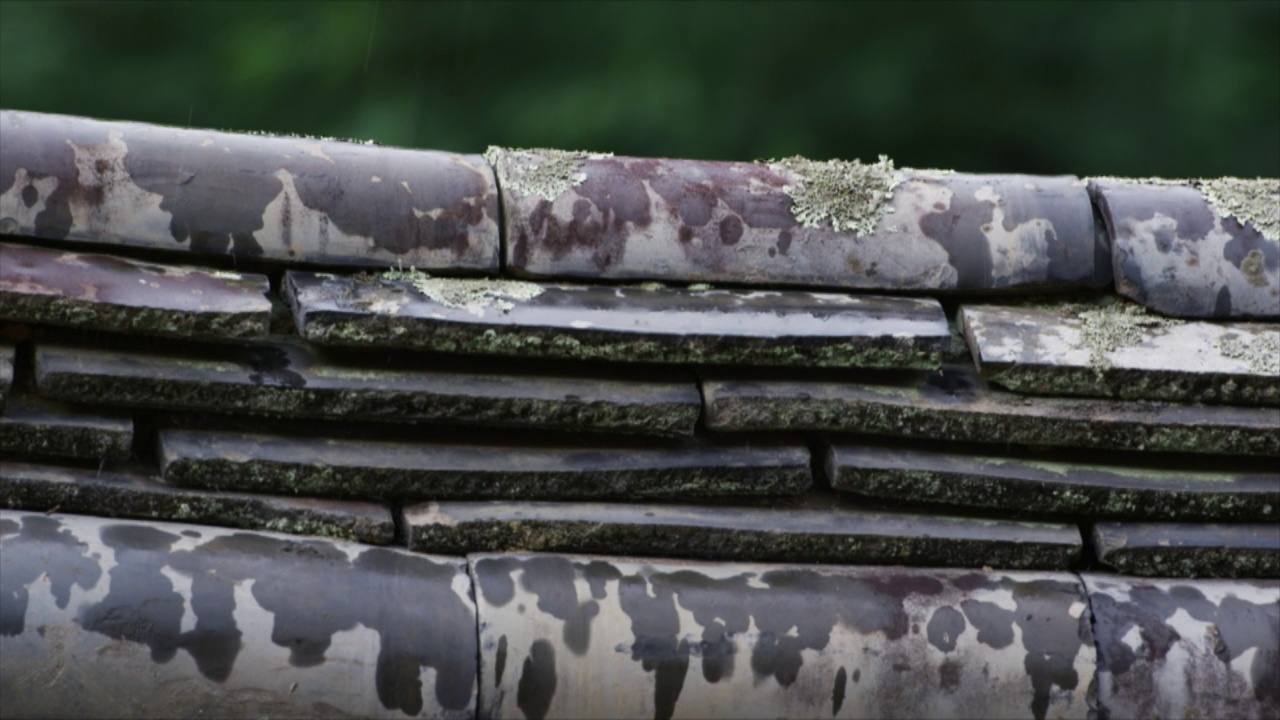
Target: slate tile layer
{"type": "Point", "coordinates": [826, 535]}
{"type": "Point", "coordinates": [794, 222]}
{"type": "Point", "coordinates": [44, 428]}
{"type": "Point", "coordinates": [277, 199]}
{"type": "Point", "coordinates": [1190, 550]}
{"type": "Point", "coordinates": [105, 292]}
{"type": "Point", "coordinates": [955, 404]}
{"type": "Point", "coordinates": [618, 324]}
{"type": "Point", "coordinates": [287, 379]}
{"type": "Point", "coordinates": [1182, 255]}
{"type": "Point", "coordinates": [135, 495]}
{"type": "Point", "coordinates": [1113, 351]}
{"type": "Point", "coordinates": [336, 467]}
{"type": "Point", "coordinates": [6, 374]}
{"type": "Point", "coordinates": [1083, 488]}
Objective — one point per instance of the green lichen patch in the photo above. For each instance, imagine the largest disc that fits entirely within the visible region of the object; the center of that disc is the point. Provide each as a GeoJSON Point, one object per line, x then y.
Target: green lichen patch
{"type": "Point", "coordinates": [539, 172]}
{"type": "Point", "coordinates": [473, 295]}
{"type": "Point", "coordinates": [1261, 352]}
{"type": "Point", "coordinates": [1255, 202]}
{"type": "Point", "coordinates": [845, 195]}
{"type": "Point", "coordinates": [1118, 325]}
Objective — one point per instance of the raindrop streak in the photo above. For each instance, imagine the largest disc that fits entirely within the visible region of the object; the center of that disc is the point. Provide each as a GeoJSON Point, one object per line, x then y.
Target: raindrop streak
{"type": "Point", "coordinates": [368, 50]}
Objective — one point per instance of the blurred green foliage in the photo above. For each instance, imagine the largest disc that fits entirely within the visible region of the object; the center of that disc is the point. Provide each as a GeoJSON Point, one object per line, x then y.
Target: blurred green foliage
{"type": "Point", "coordinates": [1139, 88]}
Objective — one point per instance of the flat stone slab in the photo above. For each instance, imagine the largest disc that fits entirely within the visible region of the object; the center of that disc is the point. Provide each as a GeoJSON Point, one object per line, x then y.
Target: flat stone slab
{"type": "Point", "coordinates": [1069, 488]}
{"type": "Point", "coordinates": [521, 319]}
{"type": "Point", "coordinates": [955, 405]}
{"type": "Point", "coordinates": [1120, 351]}
{"type": "Point", "coordinates": [6, 374]}
{"type": "Point", "coordinates": [1186, 648]}
{"type": "Point", "coordinates": [826, 535]}
{"type": "Point", "coordinates": [1202, 248]}
{"type": "Point", "coordinates": [129, 494]}
{"type": "Point", "coordinates": [367, 469]}
{"type": "Point", "coordinates": [130, 618]}
{"type": "Point", "coordinates": [103, 292]}
{"type": "Point", "coordinates": [43, 428]}
{"type": "Point", "coordinates": [277, 199]}
{"type": "Point", "coordinates": [1190, 549]}
{"type": "Point", "coordinates": [794, 222]}
{"type": "Point", "coordinates": [599, 636]}
{"type": "Point", "coordinates": [287, 379]}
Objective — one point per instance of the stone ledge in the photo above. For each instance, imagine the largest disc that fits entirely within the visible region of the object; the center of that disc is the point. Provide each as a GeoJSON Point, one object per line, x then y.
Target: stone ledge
{"type": "Point", "coordinates": [133, 495]}
{"type": "Point", "coordinates": [617, 324]}
{"type": "Point", "coordinates": [1020, 484]}
{"type": "Point", "coordinates": [287, 379]}
{"type": "Point", "coordinates": [831, 535]}
{"type": "Point", "coordinates": [421, 471]}
{"type": "Point", "coordinates": [1190, 550]}
{"type": "Point", "coordinates": [104, 292]}
{"type": "Point", "coordinates": [956, 405]}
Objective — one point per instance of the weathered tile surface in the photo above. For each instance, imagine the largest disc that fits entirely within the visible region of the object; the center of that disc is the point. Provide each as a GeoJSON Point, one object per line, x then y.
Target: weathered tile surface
{"type": "Point", "coordinates": [6, 374]}
{"type": "Point", "coordinates": [830, 535]}
{"type": "Point", "coordinates": [103, 292]}
{"type": "Point", "coordinates": [271, 198]}
{"type": "Point", "coordinates": [521, 319]}
{"type": "Point", "coordinates": [130, 494]}
{"type": "Point", "coordinates": [1021, 484]}
{"type": "Point", "coordinates": [590, 636]}
{"type": "Point", "coordinates": [126, 618]}
{"type": "Point", "coordinates": [1191, 549]}
{"type": "Point", "coordinates": [286, 379]}
{"type": "Point", "coordinates": [42, 428]}
{"type": "Point", "coordinates": [354, 468]}
{"type": "Point", "coordinates": [1186, 648]}
{"type": "Point", "coordinates": [955, 405]}
{"type": "Point", "coordinates": [1206, 248]}
{"type": "Point", "coordinates": [1120, 351]}
{"type": "Point", "coordinates": [794, 222]}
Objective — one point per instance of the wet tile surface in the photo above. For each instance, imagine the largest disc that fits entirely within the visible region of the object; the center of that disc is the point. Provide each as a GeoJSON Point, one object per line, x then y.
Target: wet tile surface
{"type": "Point", "coordinates": [688, 639]}
{"type": "Point", "coordinates": [490, 317]}
{"type": "Point", "coordinates": [1083, 488]}
{"type": "Point", "coordinates": [274, 199]}
{"type": "Point", "coordinates": [697, 221]}
{"type": "Point", "coordinates": [132, 494]}
{"type": "Point", "coordinates": [1190, 550]}
{"type": "Point", "coordinates": [287, 379]}
{"type": "Point", "coordinates": [955, 404]}
{"type": "Point", "coordinates": [357, 468]}
{"type": "Point", "coordinates": [33, 426]}
{"type": "Point", "coordinates": [104, 292]}
{"type": "Point", "coordinates": [834, 535]}
{"type": "Point", "coordinates": [1096, 352]}
{"type": "Point", "coordinates": [1186, 648]}
{"type": "Point", "coordinates": [1178, 254]}
{"type": "Point", "coordinates": [133, 618]}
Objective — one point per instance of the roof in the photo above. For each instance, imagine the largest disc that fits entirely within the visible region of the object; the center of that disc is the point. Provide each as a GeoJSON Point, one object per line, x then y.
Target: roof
{"type": "Point", "coordinates": [836, 409]}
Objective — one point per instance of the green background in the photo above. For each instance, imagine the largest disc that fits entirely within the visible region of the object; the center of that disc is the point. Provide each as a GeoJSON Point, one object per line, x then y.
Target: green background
{"type": "Point", "coordinates": [1137, 88]}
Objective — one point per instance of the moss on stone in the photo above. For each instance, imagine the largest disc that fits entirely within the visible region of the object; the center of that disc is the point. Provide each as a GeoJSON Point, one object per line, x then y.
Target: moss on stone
{"type": "Point", "coordinates": [473, 295]}
{"type": "Point", "coordinates": [701, 543]}
{"type": "Point", "coordinates": [844, 195]}
{"type": "Point", "coordinates": [1261, 353]}
{"type": "Point", "coordinates": [1117, 325]}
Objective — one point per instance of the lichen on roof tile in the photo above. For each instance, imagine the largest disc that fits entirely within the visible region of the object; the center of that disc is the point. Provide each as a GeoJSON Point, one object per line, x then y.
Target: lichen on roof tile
{"type": "Point", "coordinates": [543, 172]}
{"type": "Point", "coordinates": [848, 195]}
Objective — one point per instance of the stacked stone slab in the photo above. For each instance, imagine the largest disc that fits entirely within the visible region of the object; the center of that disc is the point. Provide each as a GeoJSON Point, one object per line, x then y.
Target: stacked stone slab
{"type": "Point", "coordinates": [871, 458]}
